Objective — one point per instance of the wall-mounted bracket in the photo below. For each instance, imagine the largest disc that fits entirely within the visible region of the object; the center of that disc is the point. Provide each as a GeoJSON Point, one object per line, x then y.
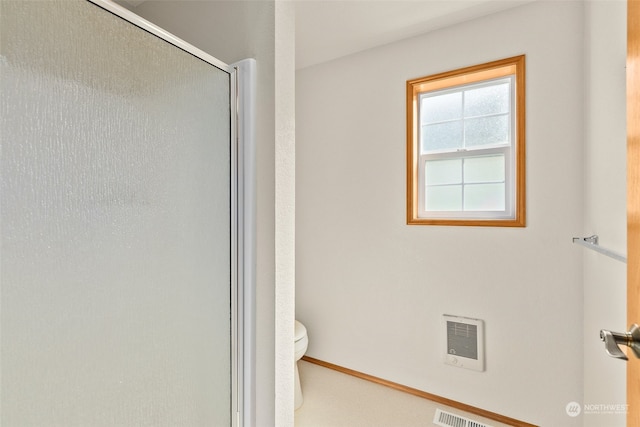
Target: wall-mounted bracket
{"type": "Point", "coordinates": [591, 242]}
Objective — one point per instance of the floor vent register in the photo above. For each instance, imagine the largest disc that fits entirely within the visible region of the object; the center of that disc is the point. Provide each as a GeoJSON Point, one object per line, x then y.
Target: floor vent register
{"type": "Point", "coordinates": [447, 419]}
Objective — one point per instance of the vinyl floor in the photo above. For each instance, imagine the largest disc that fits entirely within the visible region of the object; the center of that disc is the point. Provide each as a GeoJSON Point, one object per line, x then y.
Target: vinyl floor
{"type": "Point", "coordinates": [335, 399]}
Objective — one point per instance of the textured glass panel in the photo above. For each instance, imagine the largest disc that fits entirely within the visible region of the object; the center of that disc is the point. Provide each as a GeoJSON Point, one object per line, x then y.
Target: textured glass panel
{"type": "Point", "coordinates": [441, 136]}
{"type": "Point", "coordinates": [484, 169]}
{"type": "Point", "coordinates": [438, 172]}
{"type": "Point", "coordinates": [444, 198]}
{"type": "Point", "coordinates": [114, 204]}
{"type": "Point", "coordinates": [487, 100]}
{"type": "Point", "coordinates": [486, 131]}
{"type": "Point", "coordinates": [441, 107]}
{"type": "Point", "coordinates": [484, 197]}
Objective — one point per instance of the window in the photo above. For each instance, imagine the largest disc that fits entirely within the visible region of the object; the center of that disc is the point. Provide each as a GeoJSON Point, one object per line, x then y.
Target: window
{"type": "Point", "coordinates": [465, 146]}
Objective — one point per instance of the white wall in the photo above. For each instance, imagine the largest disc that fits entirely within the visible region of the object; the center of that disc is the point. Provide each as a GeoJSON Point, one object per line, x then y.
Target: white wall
{"type": "Point", "coordinates": [372, 290]}
{"type": "Point", "coordinates": [604, 205]}
{"type": "Point", "coordinates": [285, 211]}
{"type": "Point", "coordinates": [232, 31]}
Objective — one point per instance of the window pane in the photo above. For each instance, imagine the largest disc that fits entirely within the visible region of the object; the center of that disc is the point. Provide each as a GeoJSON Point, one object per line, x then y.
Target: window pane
{"type": "Point", "coordinates": [440, 108]}
{"type": "Point", "coordinates": [444, 198]}
{"type": "Point", "coordinates": [442, 136]}
{"type": "Point", "coordinates": [487, 100]}
{"type": "Point", "coordinates": [484, 169]}
{"type": "Point", "coordinates": [486, 131]}
{"type": "Point", "coordinates": [484, 197]}
{"type": "Point", "coordinates": [438, 172]}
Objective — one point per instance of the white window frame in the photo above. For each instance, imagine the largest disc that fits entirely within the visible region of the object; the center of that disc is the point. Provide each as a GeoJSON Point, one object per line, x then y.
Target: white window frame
{"type": "Point", "coordinates": [510, 69]}
{"type": "Point", "coordinates": [464, 153]}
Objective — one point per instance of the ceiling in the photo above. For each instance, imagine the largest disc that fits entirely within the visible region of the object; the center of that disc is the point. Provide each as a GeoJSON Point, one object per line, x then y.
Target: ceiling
{"type": "Point", "coordinates": [330, 29]}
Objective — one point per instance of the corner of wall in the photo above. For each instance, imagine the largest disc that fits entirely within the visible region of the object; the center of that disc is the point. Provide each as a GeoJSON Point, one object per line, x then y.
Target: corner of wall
{"type": "Point", "coordinates": [285, 210]}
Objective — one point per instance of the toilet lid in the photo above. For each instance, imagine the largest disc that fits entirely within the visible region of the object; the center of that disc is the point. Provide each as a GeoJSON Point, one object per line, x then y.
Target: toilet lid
{"type": "Point", "coordinates": [300, 331]}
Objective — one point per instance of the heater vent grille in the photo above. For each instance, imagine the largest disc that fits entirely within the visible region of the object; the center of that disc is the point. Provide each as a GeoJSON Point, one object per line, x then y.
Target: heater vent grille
{"type": "Point", "coordinates": [447, 419]}
{"type": "Point", "coordinates": [464, 342]}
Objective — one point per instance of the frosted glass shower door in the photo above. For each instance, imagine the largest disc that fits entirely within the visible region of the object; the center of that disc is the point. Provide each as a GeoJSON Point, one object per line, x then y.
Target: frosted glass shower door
{"type": "Point", "coordinates": [115, 216]}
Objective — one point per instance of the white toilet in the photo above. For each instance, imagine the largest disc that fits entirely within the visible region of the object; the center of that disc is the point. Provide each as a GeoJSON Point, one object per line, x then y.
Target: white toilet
{"type": "Point", "coordinates": [301, 342]}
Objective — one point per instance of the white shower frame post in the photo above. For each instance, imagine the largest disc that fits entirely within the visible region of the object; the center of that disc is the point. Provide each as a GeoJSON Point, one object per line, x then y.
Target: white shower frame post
{"type": "Point", "coordinates": [242, 78]}
{"type": "Point", "coordinates": [245, 113]}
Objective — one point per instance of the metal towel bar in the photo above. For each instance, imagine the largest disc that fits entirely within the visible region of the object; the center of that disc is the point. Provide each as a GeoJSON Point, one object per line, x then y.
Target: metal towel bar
{"type": "Point", "coordinates": [591, 242]}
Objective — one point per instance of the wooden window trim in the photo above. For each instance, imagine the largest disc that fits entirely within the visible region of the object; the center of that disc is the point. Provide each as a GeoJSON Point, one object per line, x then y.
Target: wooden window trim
{"type": "Point", "coordinates": [462, 76]}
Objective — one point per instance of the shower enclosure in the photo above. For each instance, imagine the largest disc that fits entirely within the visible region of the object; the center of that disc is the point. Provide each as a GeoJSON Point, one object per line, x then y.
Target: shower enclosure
{"type": "Point", "coordinates": [121, 222]}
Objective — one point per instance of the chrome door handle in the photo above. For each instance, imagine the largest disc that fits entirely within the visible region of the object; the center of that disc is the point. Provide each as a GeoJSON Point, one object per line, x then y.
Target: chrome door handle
{"type": "Point", "coordinates": [612, 340]}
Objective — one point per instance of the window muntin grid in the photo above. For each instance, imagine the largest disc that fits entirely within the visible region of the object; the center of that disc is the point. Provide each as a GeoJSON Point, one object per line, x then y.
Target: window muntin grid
{"type": "Point", "coordinates": [462, 129]}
